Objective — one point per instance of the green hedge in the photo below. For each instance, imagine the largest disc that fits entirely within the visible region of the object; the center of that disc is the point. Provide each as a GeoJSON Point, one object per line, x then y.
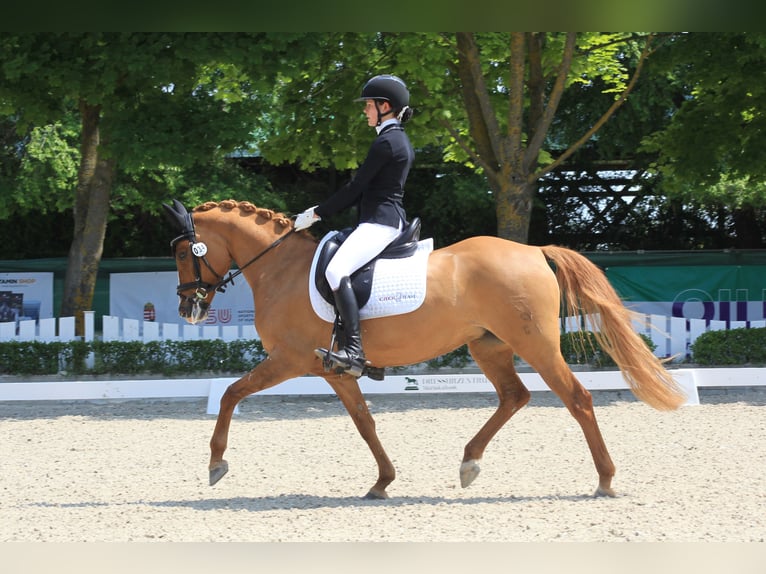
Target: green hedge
{"type": "Point", "coordinates": [36, 358]}
{"type": "Point", "coordinates": [577, 349]}
{"type": "Point", "coordinates": [732, 347]}
{"type": "Point", "coordinates": [130, 357]}
{"type": "Point", "coordinates": [169, 358]}
{"type": "Point", "coordinates": [581, 348]}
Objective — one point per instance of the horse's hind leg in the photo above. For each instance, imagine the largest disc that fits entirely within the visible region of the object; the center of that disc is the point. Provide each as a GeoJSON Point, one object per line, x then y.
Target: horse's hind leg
{"type": "Point", "coordinates": [349, 393]}
{"type": "Point", "coordinates": [495, 358]}
{"type": "Point", "coordinates": [559, 377]}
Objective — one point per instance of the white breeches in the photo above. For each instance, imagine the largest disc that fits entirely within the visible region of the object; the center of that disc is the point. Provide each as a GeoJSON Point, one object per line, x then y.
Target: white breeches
{"type": "Point", "coordinates": [363, 245]}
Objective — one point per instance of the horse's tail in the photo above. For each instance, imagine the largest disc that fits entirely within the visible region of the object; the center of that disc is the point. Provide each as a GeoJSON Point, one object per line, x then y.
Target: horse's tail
{"type": "Point", "coordinates": [585, 290]}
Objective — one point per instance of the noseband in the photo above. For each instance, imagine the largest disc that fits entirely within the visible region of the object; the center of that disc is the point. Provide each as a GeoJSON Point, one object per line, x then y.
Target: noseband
{"type": "Point", "coordinates": [199, 253]}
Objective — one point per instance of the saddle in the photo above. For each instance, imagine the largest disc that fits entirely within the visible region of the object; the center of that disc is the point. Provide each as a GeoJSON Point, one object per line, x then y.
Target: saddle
{"type": "Point", "coordinates": [361, 280]}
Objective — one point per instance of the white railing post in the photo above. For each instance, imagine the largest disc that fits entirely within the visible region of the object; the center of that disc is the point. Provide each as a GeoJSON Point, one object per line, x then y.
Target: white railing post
{"type": "Point", "coordinates": [27, 330]}
{"type": "Point", "coordinates": [191, 333]}
{"type": "Point", "coordinates": [679, 346]}
{"type": "Point", "coordinates": [130, 330]}
{"type": "Point", "coordinates": [47, 330]}
{"type": "Point", "coordinates": [66, 329]}
{"type": "Point", "coordinates": [210, 332]}
{"type": "Point", "coordinates": [151, 331]}
{"type": "Point", "coordinates": [90, 330]}
{"type": "Point", "coordinates": [8, 331]}
{"type": "Point", "coordinates": [170, 332]}
{"type": "Point", "coordinates": [111, 328]}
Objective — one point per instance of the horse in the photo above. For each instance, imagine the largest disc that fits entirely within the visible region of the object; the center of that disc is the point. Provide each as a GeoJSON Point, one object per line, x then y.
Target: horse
{"type": "Point", "coordinates": [498, 297]}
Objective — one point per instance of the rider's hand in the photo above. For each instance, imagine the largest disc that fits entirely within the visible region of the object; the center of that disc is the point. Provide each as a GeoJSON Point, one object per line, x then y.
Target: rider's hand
{"type": "Point", "coordinates": [306, 219]}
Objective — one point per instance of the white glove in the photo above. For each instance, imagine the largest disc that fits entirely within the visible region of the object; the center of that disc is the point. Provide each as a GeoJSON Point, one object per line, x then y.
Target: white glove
{"type": "Point", "coordinates": [306, 219]}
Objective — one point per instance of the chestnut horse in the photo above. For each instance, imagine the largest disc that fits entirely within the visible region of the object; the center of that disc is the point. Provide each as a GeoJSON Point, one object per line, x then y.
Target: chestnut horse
{"type": "Point", "coordinates": [499, 297]}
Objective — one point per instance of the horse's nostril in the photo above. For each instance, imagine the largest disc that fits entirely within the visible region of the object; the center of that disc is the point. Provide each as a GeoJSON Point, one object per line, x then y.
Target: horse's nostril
{"type": "Point", "coordinates": [185, 309]}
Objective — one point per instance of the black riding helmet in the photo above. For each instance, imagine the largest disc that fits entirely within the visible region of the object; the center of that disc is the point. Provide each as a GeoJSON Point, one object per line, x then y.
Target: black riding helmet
{"type": "Point", "coordinates": [390, 89]}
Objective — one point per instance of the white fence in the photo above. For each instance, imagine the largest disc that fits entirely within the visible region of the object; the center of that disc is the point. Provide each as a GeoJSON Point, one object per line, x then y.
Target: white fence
{"type": "Point", "coordinates": [671, 335]}
{"type": "Point", "coordinates": [117, 329]}
{"type": "Point", "coordinates": [46, 330]}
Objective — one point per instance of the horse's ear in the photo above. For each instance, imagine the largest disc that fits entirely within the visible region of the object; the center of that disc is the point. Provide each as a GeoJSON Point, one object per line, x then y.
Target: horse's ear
{"type": "Point", "coordinates": [177, 215]}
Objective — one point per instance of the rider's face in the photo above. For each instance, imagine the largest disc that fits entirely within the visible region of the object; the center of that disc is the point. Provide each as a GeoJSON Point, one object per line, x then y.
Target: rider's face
{"type": "Point", "coordinates": [372, 113]}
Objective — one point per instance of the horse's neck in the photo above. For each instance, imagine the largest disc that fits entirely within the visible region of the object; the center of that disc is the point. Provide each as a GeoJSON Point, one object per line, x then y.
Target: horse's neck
{"type": "Point", "coordinates": [281, 263]}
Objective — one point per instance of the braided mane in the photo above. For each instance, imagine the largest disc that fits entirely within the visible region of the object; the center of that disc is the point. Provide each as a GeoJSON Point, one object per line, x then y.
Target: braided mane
{"type": "Point", "coordinates": [247, 207]}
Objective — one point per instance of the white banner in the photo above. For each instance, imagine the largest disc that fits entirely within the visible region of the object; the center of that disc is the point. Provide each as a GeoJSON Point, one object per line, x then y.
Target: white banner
{"type": "Point", "coordinates": [25, 296]}
{"type": "Point", "coordinates": [152, 297]}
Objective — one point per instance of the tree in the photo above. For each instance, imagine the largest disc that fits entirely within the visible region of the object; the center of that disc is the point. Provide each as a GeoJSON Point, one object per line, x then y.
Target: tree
{"type": "Point", "coordinates": [713, 150]}
{"type": "Point", "coordinates": [540, 68]}
{"type": "Point", "coordinates": [144, 101]}
{"type": "Point", "coordinates": [717, 128]}
{"type": "Point", "coordinates": [509, 87]}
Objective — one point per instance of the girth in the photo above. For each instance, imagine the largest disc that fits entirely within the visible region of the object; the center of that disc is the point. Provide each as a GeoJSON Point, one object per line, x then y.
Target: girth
{"type": "Point", "coordinates": [361, 280]}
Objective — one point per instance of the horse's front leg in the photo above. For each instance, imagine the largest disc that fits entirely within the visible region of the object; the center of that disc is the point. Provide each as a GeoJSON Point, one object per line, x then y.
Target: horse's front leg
{"type": "Point", "coordinates": [348, 391]}
{"type": "Point", "coordinates": [267, 374]}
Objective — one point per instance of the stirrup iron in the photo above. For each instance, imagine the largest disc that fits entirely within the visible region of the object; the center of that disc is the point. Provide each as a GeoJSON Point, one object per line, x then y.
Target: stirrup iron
{"type": "Point", "coordinates": [375, 373]}
{"type": "Point", "coordinates": [330, 363]}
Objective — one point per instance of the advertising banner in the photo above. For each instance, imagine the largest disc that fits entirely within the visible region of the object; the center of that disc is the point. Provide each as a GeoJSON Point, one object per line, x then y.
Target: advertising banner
{"type": "Point", "coordinates": [711, 292]}
{"type": "Point", "coordinates": [25, 296]}
{"type": "Point", "coordinates": [152, 297]}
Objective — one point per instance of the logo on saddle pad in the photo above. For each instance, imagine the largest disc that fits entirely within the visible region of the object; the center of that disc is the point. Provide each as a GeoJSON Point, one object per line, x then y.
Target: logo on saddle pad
{"type": "Point", "coordinates": [383, 287]}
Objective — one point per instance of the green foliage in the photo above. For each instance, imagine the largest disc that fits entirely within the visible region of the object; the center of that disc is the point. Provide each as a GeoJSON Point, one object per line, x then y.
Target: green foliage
{"type": "Point", "coordinates": [48, 170]}
{"type": "Point", "coordinates": [33, 358]}
{"type": "Point", "coordinates": [40, 358]}
{"type": "Point", "coordinates": [454, 360]}
{"type": "Point", "coordinates": [730, 347]}
{"type": "Point", "coordinates": [174, 104]}
{"type": "Point", "coordinates": [167, 358]}
{"type": "Point", "coordinates": [319, 124]}
{"type": "Point", "coordinates": [453, 201]}
{"type": "Point", "coordinates": [178, 358]}
{"type": "Point", "coordinates": [168, 103]}
{"type": "Point", "coordinates": [715, 137]}
{"type": "Point", "coordinates": [582, 348]}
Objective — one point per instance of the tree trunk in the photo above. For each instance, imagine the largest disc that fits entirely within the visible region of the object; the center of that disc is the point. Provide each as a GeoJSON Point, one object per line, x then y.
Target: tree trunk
{"type": "Point", "coordinates": [91, 210]}
{"type": "Point", "coordinates": [513, 207]}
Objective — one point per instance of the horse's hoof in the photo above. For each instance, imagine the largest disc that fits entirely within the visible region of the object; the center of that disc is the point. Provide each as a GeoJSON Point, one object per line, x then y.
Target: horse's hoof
{"type": "Point", "coordinates": [604, 491]}
{"type": "Point", "coordinates": [376, 495]}
{"type": "Point", "coordinates": [469, 470]}
{"type": "Point", "coordinates": [218, 471]}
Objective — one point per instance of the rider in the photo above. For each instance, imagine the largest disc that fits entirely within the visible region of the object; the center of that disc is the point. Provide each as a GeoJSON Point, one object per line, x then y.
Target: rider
{"type": "Point", "coordinates": [378, 189]}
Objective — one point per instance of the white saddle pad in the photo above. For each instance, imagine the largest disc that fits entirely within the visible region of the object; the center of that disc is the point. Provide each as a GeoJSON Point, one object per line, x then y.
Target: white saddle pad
{"type": "Point", "coordinates": [398, 285]}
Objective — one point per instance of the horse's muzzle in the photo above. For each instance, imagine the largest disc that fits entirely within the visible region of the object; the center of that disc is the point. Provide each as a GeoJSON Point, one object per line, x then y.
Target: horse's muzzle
{"type": "Point", "coordinates": [193, 310]}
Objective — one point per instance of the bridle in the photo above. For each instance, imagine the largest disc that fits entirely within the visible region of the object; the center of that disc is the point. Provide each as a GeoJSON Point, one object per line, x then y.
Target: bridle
{"type": "Point", "coordinates": [199, 253]}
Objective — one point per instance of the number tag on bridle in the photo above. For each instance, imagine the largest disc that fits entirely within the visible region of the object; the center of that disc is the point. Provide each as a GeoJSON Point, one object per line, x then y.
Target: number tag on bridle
{"type": "Point", "coordinates": [199, 249]}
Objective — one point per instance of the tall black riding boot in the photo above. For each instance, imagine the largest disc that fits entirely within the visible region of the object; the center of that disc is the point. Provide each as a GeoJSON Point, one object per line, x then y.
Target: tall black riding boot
{"type": "Point", "coordinates": [351, 357]}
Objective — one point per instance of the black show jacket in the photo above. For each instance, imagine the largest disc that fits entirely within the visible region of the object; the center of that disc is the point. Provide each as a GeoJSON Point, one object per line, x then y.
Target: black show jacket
{"type": "Point", "coordinates": [378, 186]}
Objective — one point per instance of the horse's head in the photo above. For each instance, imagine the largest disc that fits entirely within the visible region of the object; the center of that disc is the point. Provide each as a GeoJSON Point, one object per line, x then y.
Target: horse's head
{"type": "Point", "coordinates": [196, 264]}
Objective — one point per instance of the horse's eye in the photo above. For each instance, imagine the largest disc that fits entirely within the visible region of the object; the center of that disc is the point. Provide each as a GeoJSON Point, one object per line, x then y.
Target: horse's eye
{"type": "Point", "coordinates": [182, 255]}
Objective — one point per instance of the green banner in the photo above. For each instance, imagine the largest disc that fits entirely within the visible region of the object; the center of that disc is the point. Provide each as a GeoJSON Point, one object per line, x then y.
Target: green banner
{"type": "Point", "coordinates": [716, 292]}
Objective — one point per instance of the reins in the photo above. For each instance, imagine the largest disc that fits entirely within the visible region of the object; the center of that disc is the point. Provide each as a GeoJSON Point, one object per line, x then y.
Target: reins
{"type": "Point", "coordinates": [220, 286]}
